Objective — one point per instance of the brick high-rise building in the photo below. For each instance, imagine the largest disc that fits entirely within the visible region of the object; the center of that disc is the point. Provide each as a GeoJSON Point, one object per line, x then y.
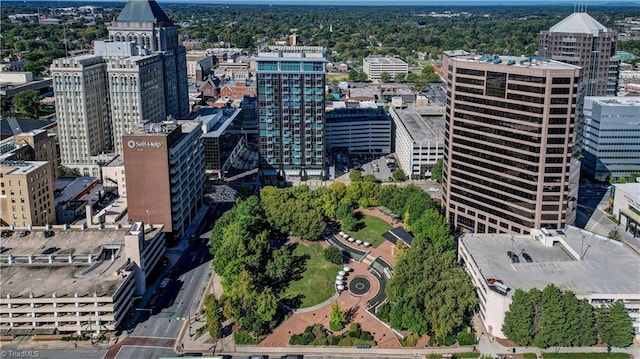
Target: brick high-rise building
{"type": "Point", "coordinates": [164, 168]}
{"type": "Point", "coordinates": [508, 143]}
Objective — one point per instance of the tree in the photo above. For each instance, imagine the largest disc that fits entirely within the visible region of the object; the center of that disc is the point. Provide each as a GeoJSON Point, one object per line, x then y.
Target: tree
{"type": "Point", "coordinates": [549, 332]}
{"type": "Point", "coordinates": [213, 317]}
{"type": "Point", "coordinates": [614, 325]}
{"type": "Point", "coordinates": [385, 77]}
{"type": "Point", "coordinates": [337, 317]}
{"type": "Point", "coordinates": [398, 175]}
{"type": "Point", "coordinates": [354, 176]}
{"type": "Point", "coordinates": [436, 170]}
{"type": "Point", "coordinates": [518, 323]}
{"type": "Point", "coordinates": [401, 77]}
{"type": "Point", "coordinates": [68, 172]}
{"type": "Point", "coordinates": [433, 227]}
{"type": "Point", "coordinates": [27, 103]}
{"type": "Point", "coordinates": [333, 255]}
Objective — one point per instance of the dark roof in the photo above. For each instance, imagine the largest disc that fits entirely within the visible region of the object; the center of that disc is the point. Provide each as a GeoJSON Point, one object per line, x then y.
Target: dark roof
{"type": "Point", "coordinates": [398, 233]}
{"type": "Point", "coordinates": [143, 11]}
{"type": "Point", "coordinates": [12, 126]}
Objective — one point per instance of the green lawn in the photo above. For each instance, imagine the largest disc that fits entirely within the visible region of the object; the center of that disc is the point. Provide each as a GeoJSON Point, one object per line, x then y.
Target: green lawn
{"type": "Point", "coordinates": [586, 355]}
{"type": "Point", "coordinates": [372, 231]}
{"type": "Point", "coordinates": [317, 283]}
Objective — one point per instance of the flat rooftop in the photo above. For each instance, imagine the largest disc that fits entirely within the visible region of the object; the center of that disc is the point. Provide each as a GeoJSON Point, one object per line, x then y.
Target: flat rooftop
{"type": "Point", "coordinates": [607, 266]}
{"type": "Point", "coordinates": [537, 62]}
{"type": "Point", "coordinates": [62, 277]}
{"type": "Point", "coordinates": [617, 101]}
{"type": "Point", "coordinates": [421, 129]}
{"type": "Point", "coordinates": [24, 167]}
{"type": "Point", "coordinates": [383, 60]}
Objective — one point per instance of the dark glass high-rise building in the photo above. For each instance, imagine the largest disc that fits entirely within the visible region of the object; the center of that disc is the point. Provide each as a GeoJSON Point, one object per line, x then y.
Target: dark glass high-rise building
{"type": "Point", "coordinates": [291, 112]}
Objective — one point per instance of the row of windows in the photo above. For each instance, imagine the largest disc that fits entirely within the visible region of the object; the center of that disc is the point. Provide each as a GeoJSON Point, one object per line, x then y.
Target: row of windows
{"type": "Point", "coordinates": [494, 190]}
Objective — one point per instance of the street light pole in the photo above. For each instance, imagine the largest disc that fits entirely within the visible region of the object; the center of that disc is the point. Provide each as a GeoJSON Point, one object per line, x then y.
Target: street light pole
{"type": "Point", "coordinates": [148, 219]}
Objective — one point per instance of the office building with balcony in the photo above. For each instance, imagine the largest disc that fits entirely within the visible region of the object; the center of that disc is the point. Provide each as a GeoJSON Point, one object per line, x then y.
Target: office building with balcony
{"type": "Point", "coordinates": [74, 280]}
{"type": "Point", "coordinates": [611, 137]}
{"type": "Point", "coordinates": [164, 168]}
{"type": "Point", "coordinates": [291, 112]}
{"type": "Point", "coordinates": [593, 267]}
{"type": "Point", "coordinates": [508, 164]}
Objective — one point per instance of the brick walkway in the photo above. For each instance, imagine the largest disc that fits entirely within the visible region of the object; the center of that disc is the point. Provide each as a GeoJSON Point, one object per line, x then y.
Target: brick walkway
{"type": "Point", "coordinates": [356, 306]}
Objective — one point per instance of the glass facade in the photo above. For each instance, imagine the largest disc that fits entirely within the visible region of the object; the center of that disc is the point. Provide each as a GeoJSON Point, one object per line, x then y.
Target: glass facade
{"type": "Point", "coordinates": [291, 113]}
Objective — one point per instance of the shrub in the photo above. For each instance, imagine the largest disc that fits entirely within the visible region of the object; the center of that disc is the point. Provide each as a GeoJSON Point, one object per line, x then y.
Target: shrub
{"type": "Point", "coordinates": [366, 336]}
{"type": "Point", "coordinates": [244, 338]}
{"type": "Point", "coordinates": [384, 310]}
{"type": "Point", "coordinates": [336, 326]}
{"type": "Point", "coordinates": [411, 340]}
{"type": "Point", "coordinates": [466, 338]}
{"type": "Point", "coordinates": [335, 339]}
{"type": "Point", "coordinates": [333, 255]}
{"type": "Point", "coordinates": [307, 338]}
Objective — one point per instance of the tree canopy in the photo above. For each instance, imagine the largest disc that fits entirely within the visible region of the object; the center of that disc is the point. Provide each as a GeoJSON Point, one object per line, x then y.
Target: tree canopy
{"type": "Point", "coordinates": [555, 318]}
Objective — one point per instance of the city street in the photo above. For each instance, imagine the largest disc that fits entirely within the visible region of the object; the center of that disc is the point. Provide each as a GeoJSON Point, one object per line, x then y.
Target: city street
{"type": "Point", "coordinates": [158, 327]}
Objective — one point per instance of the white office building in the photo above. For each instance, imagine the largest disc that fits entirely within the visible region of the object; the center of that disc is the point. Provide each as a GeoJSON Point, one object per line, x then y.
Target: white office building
{"type": "Point", "coordinates": [419, 141]}
{"type": "Point", "coordinates": [611, 137]}
{"type": "Point", "coordinates": [374, 66]}
{"type": "Point", "coordinates": [592, 266]}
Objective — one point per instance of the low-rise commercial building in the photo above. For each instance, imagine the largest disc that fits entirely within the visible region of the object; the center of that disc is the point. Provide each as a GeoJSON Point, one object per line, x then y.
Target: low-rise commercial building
{"type": "Point", "coordinates": [593, 267]}
{"type": "Point", "coordinates": [626, 206]}
{"type": "Point", "coordinates": [419, 141]}
{"type": "Point", "coordinates": [611, 137]}
{"type": "Point", "coordinates": [361, 131]}
{"type": "Point", "coordinates": [74, 280]}
{"type": "Point", "coordinates": [374, 66]}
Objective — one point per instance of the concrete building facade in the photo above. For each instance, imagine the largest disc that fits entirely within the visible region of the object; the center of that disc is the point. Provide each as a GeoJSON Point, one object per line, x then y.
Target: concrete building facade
{"type": "Point", "coordinates": [82, 109]}
{"type": "Point", "coordinates": [611, 137]}
{"type": "Point", "coordinates": [138, 75]}
{"type": "Point", "coordinates": [626, 206]}
{"type": "Point", "coordinates": [76, 281]}
{"type": "Point", "coordinates": [508, 163]}
{"type": "Point", "coordinates": [374, 66]}
{"type": "Point", "coordinates": [164, 168]}
{"type": "Point", "coordinates": [291, 112]}
{"type": "Point", "coordinates": [361, 131]}
{"type": "Point", "coordinates": [419, 141]}
{"type": "Point", "coordinates": [593, 267]}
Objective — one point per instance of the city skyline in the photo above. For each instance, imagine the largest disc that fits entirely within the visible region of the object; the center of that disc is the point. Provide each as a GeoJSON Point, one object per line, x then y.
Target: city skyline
{"type": "Point", "coordinates": [396, 3]}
